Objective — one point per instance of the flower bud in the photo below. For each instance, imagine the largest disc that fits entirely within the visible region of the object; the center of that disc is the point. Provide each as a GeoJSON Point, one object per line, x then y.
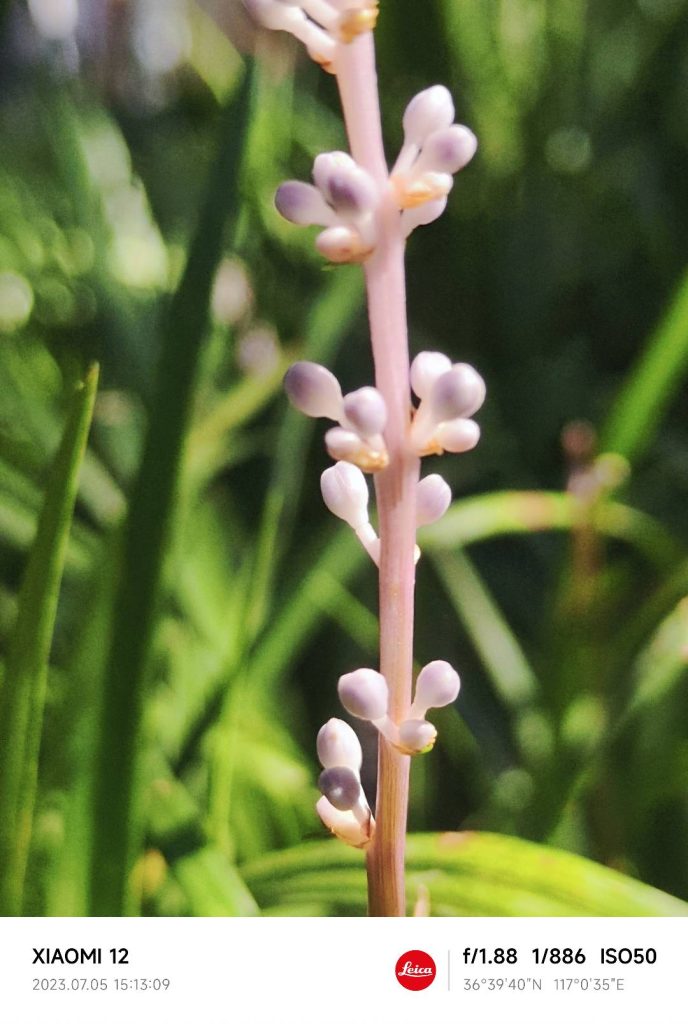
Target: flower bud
{"type": "Point", "coordinates": [417, 216]}
{"type": "Point", "coordinates": [326, 165]}
{"type": "Point", "coordinates": [345, 185]}
{"type": "Point", "coordinates": [345, 825]}
{"type": "Point", "coordinates": [429, 110]}
{"type": "Point", "coordinates": [429, 187]}
{"type": "Point", "coordinates": [365, 412]}
{"type": "Point", "coordinates": [313, 390]}
{"type": "Point", "coordinates": [447, 150]}
{"type": "Point", "coordinates": [364, 693]}
{"type": "Point", "coordinates": [338, 746]}
{"type": "Point", "coordinates": [345, 492]}
{"type": "Point", "coordinates": [426, 368]}
{"type": "Point", "coordinates": [416, 736]}
{"type": "Point", "coordinates": [342, 244]}
{"type": "Point", "coordinates": [433, 497]}
{"type": "Point", "coordinates": [458, 435]}
{"type": "Point", "coordinates": [289, 17]}
{"type": "Point", "coordinates": [420, 215]}
{"type": "Point", "coordinates": [458, 393]}
{"type": "Point", "coordinates": [437, 685]}
{"type": "Point", "coordinates": [341, 786]}
{"type": "Point", "coordinates": [301, 203]}
{"type": "Point", "coordinates": [345, 445]}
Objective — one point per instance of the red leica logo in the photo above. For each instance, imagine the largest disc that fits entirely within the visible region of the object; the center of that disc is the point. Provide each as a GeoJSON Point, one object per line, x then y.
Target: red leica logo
{"type": "Point", "coordinates": [415, 970]}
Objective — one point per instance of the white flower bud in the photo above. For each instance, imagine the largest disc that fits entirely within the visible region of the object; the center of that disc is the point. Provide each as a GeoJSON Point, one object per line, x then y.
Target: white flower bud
{"type": "Point", "coordinates": [345, 824]}
{"type": "Point", "coordinates": [341, 786]}
{"type": "Point", "coordinates": [313, 390]}
{"type": "Point", "coordinates": [338, 746]}
{"type": "Point", "coordinates": [344, 445]}
{"type": "Point", "coordinates": [324, 13]}
{"type": "Point", "coordinates": [433, 498]}
{"type": "Point", "coordinates": [437, 685]}
{"type": "Point", "coordinates": [342, 244]}
{"type": "Point", "coordinates": [275, 15]}
{"type": "Point", "coordinates": [416, 736]}
{"type": "Point", "coordinates": [55, 19]}
{"type": "Point", "coordinates": [417, 216]}
{"type": "Point", "coordinates": [364, 693]}
{"type": "Point", "coordinates": [350, 5]}
{"type": "Point", "coordinates": [345, 492]}
{"type": "Point", "coordinates": [458, 435]}
{"type": "Point", "coordinates": [350, 447]}
{"type": "Point", "coordinates": [301, 203]}
{"type": "Point", "coordinates": [426, 368]}
{"type": "Point", "coordinates": [290, 18]}
{"type": "Point", "coordinates": [429, 110]}
{"type": "Point", "coordinates": [458, 393]}
{"type": "Point", "coordinates": [365, 412]}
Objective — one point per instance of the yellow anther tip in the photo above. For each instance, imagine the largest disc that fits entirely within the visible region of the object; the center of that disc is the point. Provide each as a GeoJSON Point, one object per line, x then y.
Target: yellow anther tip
{"type": "Point", "coordinates": [355, 23]}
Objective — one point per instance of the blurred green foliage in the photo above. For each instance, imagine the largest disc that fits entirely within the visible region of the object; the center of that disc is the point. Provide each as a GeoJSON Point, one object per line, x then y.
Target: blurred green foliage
{"type": "Point", "coordinates": [207, 602]}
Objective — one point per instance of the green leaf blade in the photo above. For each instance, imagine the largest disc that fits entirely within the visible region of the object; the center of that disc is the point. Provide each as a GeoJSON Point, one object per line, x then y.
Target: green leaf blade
{"type": "Point", "coordinates": [22, 697]}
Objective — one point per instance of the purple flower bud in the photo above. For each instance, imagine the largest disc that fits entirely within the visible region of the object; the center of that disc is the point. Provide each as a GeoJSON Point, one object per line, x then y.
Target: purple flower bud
{"type": "Point", "coordinates": [458, 435]}
{"type": "Point", "coordinates": [416, 736]}
{"type": "Point", "coordinates": [338, 746]}
{"type": "Point", "coordinates": [303, 204]}
{"type": "Point", "coordinates": [345, 492]}
{"type": "Point", "coordinates": [459, 392]}
{"type": "Point", "coordinates": [364, 693]}
{"type": "Point", "coordinates": [426, 368]}
{"type": "Point", "coordinates": [327, 165]}
{"type": "Point", "coordinates": [447, 150]}
{"type": "Point", "coordinates": [345, 185]}
{"type": "Point", "coordinates": [429, 110]}
{"type": "Point", "coordinates": [313, 390]}
{"type": "Point", "coordinates": [433, 498]}
{"type": "Point", "coordinates": [365, 412]}
{"type": "Point", "coordinates": [341, 786]}
{"type": "Point", "coordinates": [437, 685]}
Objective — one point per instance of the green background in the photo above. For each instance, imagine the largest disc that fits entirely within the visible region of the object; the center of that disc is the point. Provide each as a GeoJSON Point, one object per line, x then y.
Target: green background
{"type": "Point", "coordinates": [157, 722]}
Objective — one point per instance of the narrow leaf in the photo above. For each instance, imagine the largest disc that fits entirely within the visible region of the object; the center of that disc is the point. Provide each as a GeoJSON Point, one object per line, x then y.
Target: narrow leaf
{"type": "Point", "coordinates": [116, 819]}
{"type": "Point", "coordinates": [22, 697]}
{"type": "Point", "coordinates": [466, 874]}
{"type": "Point", "coordinates": [652, 384]}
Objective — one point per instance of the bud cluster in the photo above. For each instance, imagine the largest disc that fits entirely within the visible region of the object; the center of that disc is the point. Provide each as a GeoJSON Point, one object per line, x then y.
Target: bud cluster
{"type": "Point", "coordinates": [343, 200]}
{"type": "Point", "coordinates": [343, 807]}
{"type": "Point", "coordinates": [365, 694]}
{"type": "Point", "coordinates": [319, 24]}
{"type": "Point", "coordinates": [361, 414]}
{"type": "Point", "coordinates": [449, 394]}
{"type": "Point", "coordinates": [434, 150]}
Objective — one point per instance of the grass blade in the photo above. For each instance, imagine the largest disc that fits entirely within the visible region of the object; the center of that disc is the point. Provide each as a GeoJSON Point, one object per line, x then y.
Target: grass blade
{"type": "Point", "coordinates": [493, 638]}
{"type": "Point", "coordinates": [651, 385]}
{"type": "Point", "coordinates": [469, 873]}
{"type": "Point", "coordinates": [115, 813]}
{"type": "Point", "coordinates": [22, 697]}
{"type": "Point", "coordinates": [483, 517]}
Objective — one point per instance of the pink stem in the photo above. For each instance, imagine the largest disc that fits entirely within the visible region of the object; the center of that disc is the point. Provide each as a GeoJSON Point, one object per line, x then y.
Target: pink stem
{"type": "Point", "coordinates": [396, 486]}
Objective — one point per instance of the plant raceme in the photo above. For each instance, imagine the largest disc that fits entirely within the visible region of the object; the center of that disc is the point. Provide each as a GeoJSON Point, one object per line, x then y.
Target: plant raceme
{"type": "Point", "coordinates": [366, 213]}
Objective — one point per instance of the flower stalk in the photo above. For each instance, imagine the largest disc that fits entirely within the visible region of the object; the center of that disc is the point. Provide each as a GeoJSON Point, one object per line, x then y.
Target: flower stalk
{"type": "Point", "coordinates": [395, 486]}
{"type": "Point", "coordinates": [367, 214]}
